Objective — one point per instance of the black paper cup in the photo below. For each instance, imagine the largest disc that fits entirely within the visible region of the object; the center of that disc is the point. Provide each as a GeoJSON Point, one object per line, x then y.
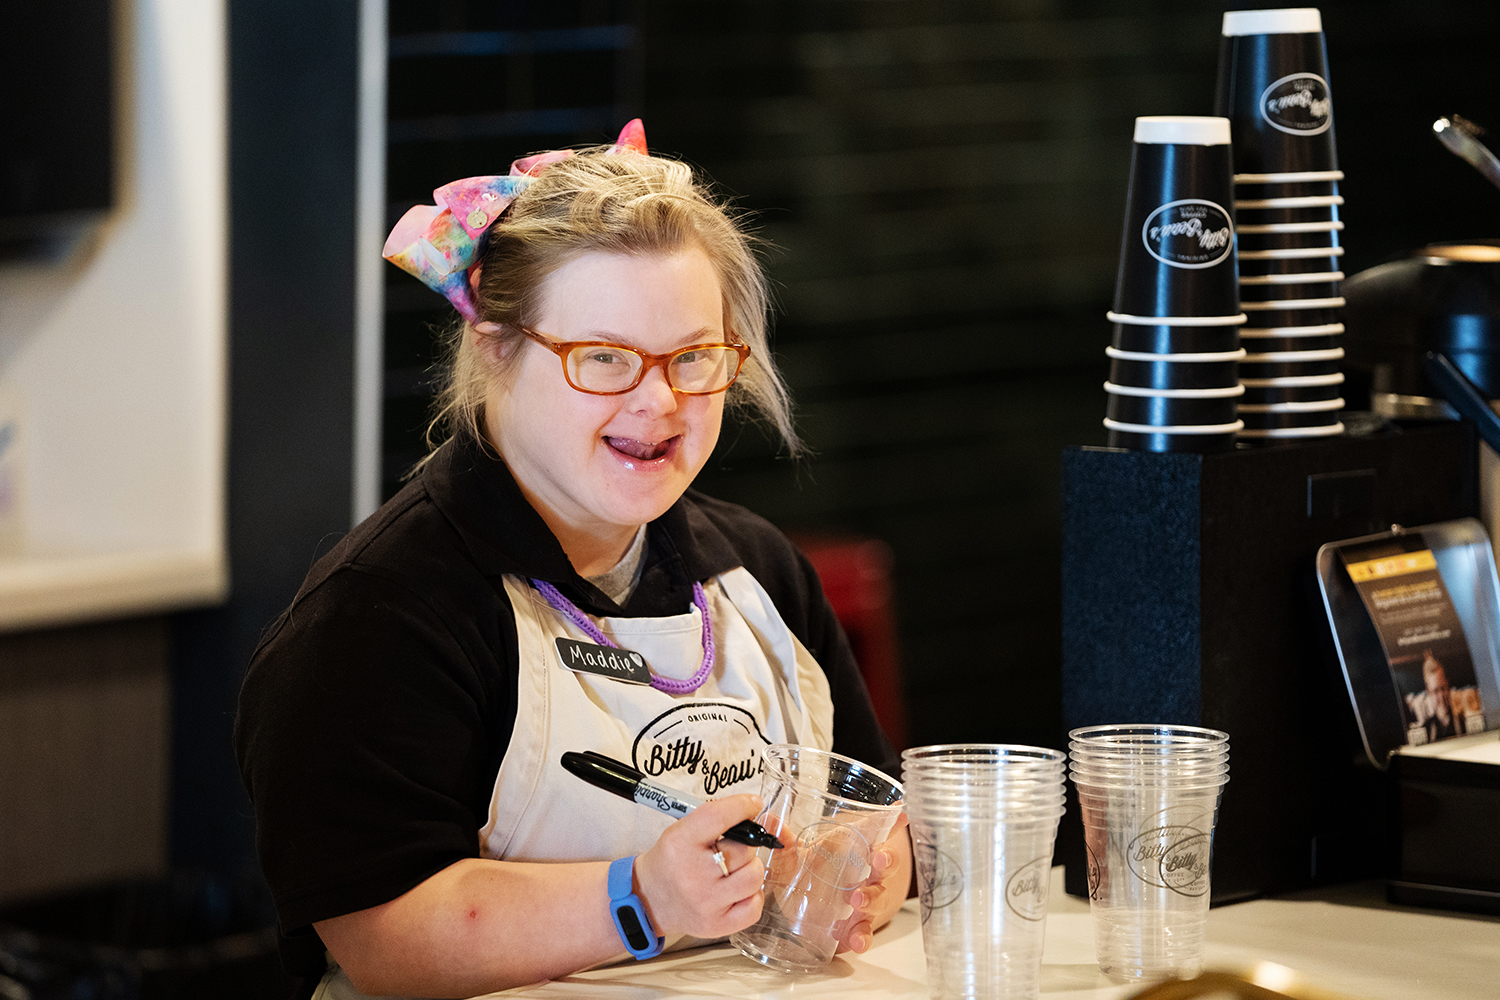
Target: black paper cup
{"type": "Point", "coordinates": [1305, 261]}
{"type": "Point", "coordinates": [1176, 339]}
{"type": "Point", "coordinates": [1289, 345]}
{"type": "Point", "coordinates": [1293, 312]}
{"type": "Point", "coordinates": [1254, 370]}
{"type": "Point", "coordinates": [1174, 371]}
{"type": "Point", "coordinates": [1297, 290]}
{"type": "Point", "coordinates": [1287, 185]}
{"type": "Point", "coordinates": [1261, 394]}
{"type": "Point", "coordinates": [1177, 250]}
{"type": "Point", "coordinates": [1282, 211]}
{"type": "Point", "coordinates": [1255, 420]}
{"type": "Point", "coordinates": [1136, 437]}
{"type": "Point", "coordinates": [1273, 85]}
{"type": "Point", "coordinates": [1168, 411]}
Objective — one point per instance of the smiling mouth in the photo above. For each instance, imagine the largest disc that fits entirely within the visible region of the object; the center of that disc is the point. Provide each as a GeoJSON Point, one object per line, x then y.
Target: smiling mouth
{"type": "Point", "coordinates": [642, 450]}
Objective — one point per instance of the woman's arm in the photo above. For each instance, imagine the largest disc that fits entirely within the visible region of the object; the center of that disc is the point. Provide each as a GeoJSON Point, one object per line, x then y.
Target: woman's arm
{"type": "Point", "coordinates": [480, 926]}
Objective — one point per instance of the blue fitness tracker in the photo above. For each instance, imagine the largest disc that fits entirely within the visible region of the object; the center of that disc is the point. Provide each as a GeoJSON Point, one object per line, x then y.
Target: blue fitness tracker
{"type": "Point", "coordinates": [628, 912]}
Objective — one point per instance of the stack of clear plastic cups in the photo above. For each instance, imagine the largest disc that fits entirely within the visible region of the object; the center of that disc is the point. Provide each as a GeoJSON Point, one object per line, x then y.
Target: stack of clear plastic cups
{"type": "Point", "coordinates": [983, 822]}
{"type": "Point", "coordinates": [1174, 362]}
{"type": "Point", "coordinates": [1273, 87]}
{"type": "Point", "coordinates": [1149, 797]}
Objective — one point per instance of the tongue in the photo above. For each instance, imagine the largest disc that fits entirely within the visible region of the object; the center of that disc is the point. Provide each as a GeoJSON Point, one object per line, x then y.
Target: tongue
{"type": "Point", "coordinates": [638, 449]}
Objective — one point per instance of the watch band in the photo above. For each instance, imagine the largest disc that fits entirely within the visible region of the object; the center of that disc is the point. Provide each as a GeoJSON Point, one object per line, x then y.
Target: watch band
{"type": "Point", "coordinates": [629, 914]}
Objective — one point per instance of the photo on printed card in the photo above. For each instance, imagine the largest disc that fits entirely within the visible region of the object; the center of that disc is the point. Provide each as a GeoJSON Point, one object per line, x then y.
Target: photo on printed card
{"type": "Point", "coordinates": [1419, 630]}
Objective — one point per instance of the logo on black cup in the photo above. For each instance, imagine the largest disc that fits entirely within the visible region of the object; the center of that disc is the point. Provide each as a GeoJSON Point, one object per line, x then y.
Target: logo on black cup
{"type": "Point", "coordinates": [1189, 233]}
{"type": "Point", "coordinates": [1298, 104]}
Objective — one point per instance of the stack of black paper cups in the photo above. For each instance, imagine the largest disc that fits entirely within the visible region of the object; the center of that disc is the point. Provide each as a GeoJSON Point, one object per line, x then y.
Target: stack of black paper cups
{"type": "Point", "coordinates": [1174, 363]}
{"type": "Point", "coordinates": [1273, 87]}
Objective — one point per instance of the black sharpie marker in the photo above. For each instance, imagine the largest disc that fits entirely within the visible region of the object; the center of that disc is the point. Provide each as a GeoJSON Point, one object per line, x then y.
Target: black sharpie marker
{"type": "Point", "coordinates": [626, 782]}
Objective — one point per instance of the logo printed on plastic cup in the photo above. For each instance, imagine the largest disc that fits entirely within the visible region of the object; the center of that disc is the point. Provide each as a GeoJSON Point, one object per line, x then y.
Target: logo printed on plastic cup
{"type": "Point", "coordinates": [1095, 872]}
{"type": "Point", "coordinates": [833, 853]}
{"type": "Point", "coordinates": [1184, 867]}
{"type": "Point", "coordinates": [1190, 233]}
{"type": "Point", "coordinates": [1026, 890]}
{"type": "Point", "coordinates": [1298, 104]}
{"type": "Point", "coordinates": [940, 879]}
{"type": "Point", "coordinates": [1150, 848]}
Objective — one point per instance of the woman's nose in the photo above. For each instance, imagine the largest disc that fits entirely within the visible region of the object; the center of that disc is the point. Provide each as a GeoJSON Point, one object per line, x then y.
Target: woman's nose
{"type": "Point", "coordinates": [654, 394]}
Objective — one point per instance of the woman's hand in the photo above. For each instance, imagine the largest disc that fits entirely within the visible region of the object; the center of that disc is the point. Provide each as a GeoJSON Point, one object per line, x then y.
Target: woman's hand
{"type": "Point", "coordinates": [876, 901]}
{"type": "Point", "coordinates": [680, 883]}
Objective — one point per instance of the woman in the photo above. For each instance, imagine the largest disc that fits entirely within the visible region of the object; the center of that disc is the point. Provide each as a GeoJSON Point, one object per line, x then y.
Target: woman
{"type": "Point", "coordinates": [402, 723]}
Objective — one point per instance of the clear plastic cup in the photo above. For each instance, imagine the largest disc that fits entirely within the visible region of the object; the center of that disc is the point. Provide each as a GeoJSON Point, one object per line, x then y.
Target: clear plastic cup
{"type": "Point", "coordinates": [984, 821]}
{"type": "Point", "coordinates": [1149, 798]}
{"type": "Point", "coordinates": [830, 811]}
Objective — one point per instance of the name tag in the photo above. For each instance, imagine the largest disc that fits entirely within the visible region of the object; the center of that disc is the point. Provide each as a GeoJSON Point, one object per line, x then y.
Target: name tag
{"type": "Point", "coordinates": [617, 664]}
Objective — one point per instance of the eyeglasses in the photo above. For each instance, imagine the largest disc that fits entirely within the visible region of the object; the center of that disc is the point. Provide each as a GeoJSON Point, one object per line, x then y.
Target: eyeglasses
{"type": "Point", "coordinates": [605, 369]}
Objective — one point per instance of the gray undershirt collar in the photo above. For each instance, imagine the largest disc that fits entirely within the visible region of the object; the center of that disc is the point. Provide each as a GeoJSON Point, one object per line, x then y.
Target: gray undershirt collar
{"type": "Point", "coordinates": [619, 583]}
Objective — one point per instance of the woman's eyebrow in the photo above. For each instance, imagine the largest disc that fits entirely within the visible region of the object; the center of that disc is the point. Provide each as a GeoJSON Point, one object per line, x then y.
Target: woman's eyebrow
{"type": "Point", "coordinates": [702, 335]}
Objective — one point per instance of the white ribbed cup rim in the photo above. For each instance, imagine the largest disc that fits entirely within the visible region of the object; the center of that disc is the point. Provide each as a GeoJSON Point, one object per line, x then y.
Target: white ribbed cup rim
{"type": "Point", "coordinates": [1297, 357]}
{"type": "Point", "coordinates": [1131, 320]}
{"type": "Point", "coordinates": [1261, 228]}
{"type": "Point", "coordinates": [1291, 201]}
{"type": "Point", "coordinates": [1182, 130]}
{"type": "Point", "coordinates": [1207, 357]}
{"type": "Point", "coordinates": [1218, 392]}
{"type": "Point", "coordinates": [1292, 253]}
{"type": "Point", "coordinates": [1292, 177]}
{"type": "Point", "coordinates": [1303, 406]}
{"type": "Point", "coordinates": [1116, 425]}
{"type": "Point", "coordinates": [1322, 430]}
{"type": "Point", "coordinates": [1317, 330]}
{"type": "Point", "coordinates": [1279, 21]}
{"type": "Point", "coordinates": [1293, 381]}
{"type": "Point", "coordinates": [1299, 278]}
{"type": "Point", "coordinates": [1282, 305]}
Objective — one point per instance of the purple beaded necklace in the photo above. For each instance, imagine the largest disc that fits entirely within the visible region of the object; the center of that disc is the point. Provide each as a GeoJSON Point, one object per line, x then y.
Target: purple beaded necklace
{"type": "Point", "coordinates": [559, 602]}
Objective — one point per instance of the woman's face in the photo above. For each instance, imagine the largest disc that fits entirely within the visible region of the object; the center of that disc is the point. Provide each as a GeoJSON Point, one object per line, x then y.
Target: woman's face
{"type": "Point", "coordinates": [600, 464]}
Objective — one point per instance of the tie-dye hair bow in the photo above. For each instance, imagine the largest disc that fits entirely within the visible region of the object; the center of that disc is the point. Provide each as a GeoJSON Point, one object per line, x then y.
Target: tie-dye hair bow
{"type": "Point", "coordinates": [440, 243]}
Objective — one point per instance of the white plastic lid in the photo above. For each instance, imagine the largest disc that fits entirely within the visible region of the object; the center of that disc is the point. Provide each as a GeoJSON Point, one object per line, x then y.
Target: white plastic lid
{"type": "Point", "coordinates": [1282, 21]}
{"type": "Point", "coordinates": [1182, 130]}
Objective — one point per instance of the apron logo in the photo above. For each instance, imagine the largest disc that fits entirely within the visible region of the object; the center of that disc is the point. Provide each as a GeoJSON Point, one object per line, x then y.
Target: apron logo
{"type": "Point", "coordinates": [717, 744]}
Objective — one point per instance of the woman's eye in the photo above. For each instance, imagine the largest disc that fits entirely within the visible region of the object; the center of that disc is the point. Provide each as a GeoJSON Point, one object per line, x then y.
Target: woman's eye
{"type": "Point", "coordinates": [605, 358]}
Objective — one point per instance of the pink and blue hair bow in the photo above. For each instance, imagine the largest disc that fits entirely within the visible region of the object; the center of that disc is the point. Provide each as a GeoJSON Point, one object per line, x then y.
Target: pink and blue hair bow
{"type": "Point", "coordinates": [440, 243]}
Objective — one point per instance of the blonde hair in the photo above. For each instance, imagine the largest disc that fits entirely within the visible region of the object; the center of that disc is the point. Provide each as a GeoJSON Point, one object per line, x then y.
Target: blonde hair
{"type": "Point", "coordinates": [620, 203]}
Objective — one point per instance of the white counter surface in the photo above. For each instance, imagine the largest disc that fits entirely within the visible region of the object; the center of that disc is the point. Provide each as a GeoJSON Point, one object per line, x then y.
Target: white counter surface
{"type": "Point", "coordinates": [1344, 940]}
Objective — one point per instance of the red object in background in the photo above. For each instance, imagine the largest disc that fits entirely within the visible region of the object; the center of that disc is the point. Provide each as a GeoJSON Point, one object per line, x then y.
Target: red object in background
{"type": "Point", "coordinates": [856, 575]}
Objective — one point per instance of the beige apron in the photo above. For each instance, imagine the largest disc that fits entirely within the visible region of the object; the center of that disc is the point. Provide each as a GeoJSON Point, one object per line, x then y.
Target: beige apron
{"type": "Point", "coordinates": [764, 688]}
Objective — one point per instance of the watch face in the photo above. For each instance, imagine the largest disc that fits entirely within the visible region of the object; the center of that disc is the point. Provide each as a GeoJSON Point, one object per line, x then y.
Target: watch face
{"type": "Point", "coordinates": [630, 924]}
